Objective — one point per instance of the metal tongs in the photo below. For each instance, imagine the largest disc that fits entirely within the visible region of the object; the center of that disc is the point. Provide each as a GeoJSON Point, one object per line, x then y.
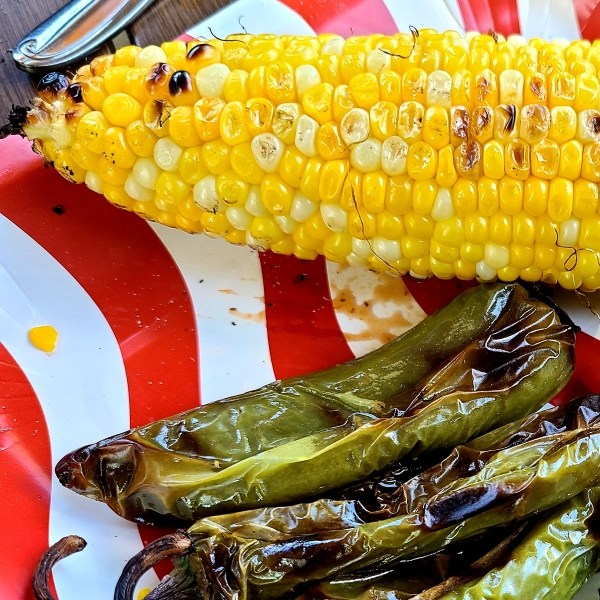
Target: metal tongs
{"type": "Point", "coordinates": [74, 31]}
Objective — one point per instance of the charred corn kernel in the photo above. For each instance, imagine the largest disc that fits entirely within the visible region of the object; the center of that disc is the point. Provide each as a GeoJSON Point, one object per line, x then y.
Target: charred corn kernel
{"type": "Point", "coordinates": [171, 188]}
{"type": "Point", "coordinates": [140, 139]}
{"type": "Point", "coordinates": [398, 199]}
{"type": "Point", "coordinates": [285, 122]}
{"type": "Point", "coordinates": [115, 148]}
{"type": "Point", "coordinates": [590, 165]}
{"type": "Point", "coordinates": [317, 103]}
{"type": "Point", "coordinates": [423, 197]}
{"type": "Point", "coordinates": [244, 164]}
{"type": "Point", "coordinates": [486, 89]}
{"type": "Point", "coordinates": [233, 190]}
{"type": "Point", "coordinates": [563, 124]}
{"type": "Point", "coordinates": [330, 145]}
{"type": "Point", "coordinates": [585, 198]}
{"type": "Point", "coordinates": [309, 183]}
{"type": "Point", "coordinates": [467, 158]}
{"type": "Point", "coordinates": [181, 127]}
{"type": "Point", "coordinates": [373, 191]}
{"type": "Point", "coordinates": [535, 123]}
{"type": "Point", "coordinates": [421, 161]}
{"type": "Point", "coordinates": [560, 199]}
{"type": "Point", "coordinates": [291, 166]}
{"type": "Point", "coordinates": [463, 93]}
{"type": "Point", "coordinates": [511, 195]}
{"type": "Point", "coordinates": [460, 119]}
{"type": "Point", "coordinates": [493, 160]}
{"type": "Point", "coordinates": [67, 167]}
{"type": "Point", "coordinates": [114, 77]}
{"type": "Point", "coordinates": [126, 56]}
{"type": "Point", "coordinates": [134, 84]}
{"type": "Point", "coordinates": [561, 90]}
{"type": "Point", "coordinates": [207, 117]}
{"type": "Point", "coordinates": [545, 159]}
{"type": "Point", "coordinates": [535, 196]}
{"type": "Point", "coordinates": [588, 129]}
{"type": "Point", "coordinates": [352, 64]}
{"type": "Point", "coordinates": [410, 121]}
{"type": "Point", "coordinates": [191, 166]}
{"type": "Point", "coordinates": [436, 129]}
{"type": "Point", "coordinates": [517, 159]}
{"type": "Point", "coordinates": [267, 150]}
{"type": "Point", "coordinates": [506, 122]}
{"type": "Point", "coordinates": [488, 194]}
{"type": "Point", "coordinates": [235, 87]}
{"type": "Point", "coordinates": [390, 87]}
{"type": "Point", "coordinates": [383, 120]}
{"type": "Point", "coordinates": [158, 79]}
{"type": "Point", "coordinates": [216, 156]}
{"type": "Point", "coordinates": [535, 90]}
{"type": "Point", "coordinates": [482, 124]}
{"type": "Point", "coordinates": [414, 86]}
{"type": "Point", "coordinates": [90, 131]}
{"type": "Point", "coordinates": [259, 115]}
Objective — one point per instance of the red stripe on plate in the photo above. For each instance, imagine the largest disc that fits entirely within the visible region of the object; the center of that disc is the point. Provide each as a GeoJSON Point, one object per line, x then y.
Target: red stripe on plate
{"type": "Point", "coordinates": [124, 267]}
{"type": "Point", "coordinates": [345, 17]}
{"type": "Point", "coordinates": [498, 15]}
{"type": "Point", "coordinates": [26, 480]}
{"type": "Point", "coordinates": [435, 293]}
{"type": "Point", "coordinates": [303, 331]}
{"type": "Point", "coordinates": [588, 17]}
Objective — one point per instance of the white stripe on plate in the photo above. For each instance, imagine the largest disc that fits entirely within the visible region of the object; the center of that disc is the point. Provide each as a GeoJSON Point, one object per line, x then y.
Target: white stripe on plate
{"type": "Point", "coordinates": [221, 277]}
{"type": "Point", "coordinates": [581, 315]}
{"type": "Point", "coordinates": [439, 14]}
{"type": "Point", "coordinates": [371, 309]}
{"type": "Point", "coordinates": [257, 16]}
{"type": "Point", "coordinates": [548, 19]}
{"type": "Point", "coordinates": [83, 393]}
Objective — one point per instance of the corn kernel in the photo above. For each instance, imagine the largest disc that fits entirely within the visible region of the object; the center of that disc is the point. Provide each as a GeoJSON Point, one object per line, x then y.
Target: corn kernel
{"type": "Point", "coordinates": [561, 90]}
{"type": "Point", "coordinates": [181, 127]}
{"type": "Point", "coordinates": [110, 173]}
{"type": "Point", "coordinates": [421, 161]}
{"type": "Point", "coordinates": [488, 196]}
{"type": "Point", "coordinates": [589, 126]}
{"type": "Point", "coordinates": [136, 191]}
{"type": "Point", "coordinates": [206, 196]}
{"type": "Point", "coordinates": [511, 195]}
{"type": "Point", "coordinates": [207, 116]}
{"type": "Point", "coordinates": [330, 145]}
{"type": "Point", "coordinates": [465, 197]}
{"type": "Point", "coordinates": [568, 232]}
{"type": "Point", "coordinates": [121, 109]}
{"type": "Point", "coordinates": [268, 151]}
{"type": "Point", "coordinates": [560, 199]}
{"type": "Point", "coordinates": [535, 198]}
{"type": "Point", "coordinates": [459, 125]}
{"type": "Point", "coordinates": [90, 130]}
{"type": "Point", "coordinates": [243, 163]}
{"type": "Point", "coordinates": [191, 167]}
{"type": "Point", "coordinates": [317, 103]}
{"type": "Point", "coordinates": [259, 115]}
{"type": "Point", "coordinates": [517, 160]}
{"type": "Point", "coordinates": [211, 80]}
{"type": "Point", "coordinates": [280, 83]}
{"type": "Point", "coordinates": [140, 139]}
{"type": "Point", "coordinates": [455, 59]}
{"type": "Point", "coordinates": [535, 90]}
{"type": "Point", "coordinates": [399, 195]}
{"type": "Point", "coordinates": [410, 121]}
{"type": "Point", "coordinates": [463, 93]}
{"type": "Point", "coordinates": [535, 123]}
{"type": "Point", "coordinates": [352, 64]}
{"type": "Point", "coordinates": [309, 184]}
{"type": "Point", "coordinates": [493, 160]}
{"type": "Point", "coordinates": [332, 179]}
{"type": "Point", "coordinates": [126, 56]}
{"type": "Point", "coordinates": [482, 124]}
{"type": "Point", "coordinates": [585, 198]}
{"type": "Point", "coordinates": [116, 149]}
{"type": "Point", "coordinates": [232, 190]}
{"type": "Point", "coordinates": [328, 67]}
{"type": "Point", "coordinates": [500, 228]}
{"type": "Point", "coordinates": [390, 226]}
{"type": "Point", "coordinates": [366, 156]}
{"type": "Point", "coordinates": [94, 92]}
{"type": "Point", "coordinates": [506, 122]}
{"type": "Point", "coordinates": [545, 159]}
{"type": "Point", "coordinates": [307, 131]}
{"type": "Point", "coordinates": [342, 102]}
{"type": "Point", "coordinates": [467, 158]}
{"type": "Point", "coordinates": [436, 129]}
{"type": "Point", "coordinates": [171, 188]}
{"type": "Point", "coordinates": [486, 89]}
{"type": "Point", "coordinates": [84, 157]}
{"type": "Point", "coordinates": [424, 196]}
{"type": "Point", "coordinates": [393, 155]}
{"type": "Point", "coordinates": [383, 119]}
{"type": "Point", "coordinates": [276, 194]}
{"type": "Point", "coordinates": [134, 84]}
{"type": "Point", "coordinates": [414, 85]}
{"type": "Point", "coordinates": [415, 248]}
{"type": "Point", "coordinates": [373, 191]}
{"type": "Point", "coordinates": [590, 166]}
{"type": "Point", "coordinates": [439, 89]}
{"type": "Point", "coordinates": [285, 122]}
{"type": "Point", "coordinates": [257, 82]}
{"type": "Point", "coordinates": [563, 124]}
{"type": "Point", "coordinates": [390, 87]}
{"type": "Point", "coordinates": [443, 207]}
{"type": "Point", "coordinates": [146, 172]}
{"type": "Point", "coordinates": [419, 226]}
{"type": "Point", "coordinates": [235, 87]}
{"type": "Point", "coordinates": [216, 156]}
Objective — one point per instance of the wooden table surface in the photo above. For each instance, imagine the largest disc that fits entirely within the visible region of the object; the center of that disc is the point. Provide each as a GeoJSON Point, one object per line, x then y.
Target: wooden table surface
{"type": "Point", "coordinates": [165, 19]}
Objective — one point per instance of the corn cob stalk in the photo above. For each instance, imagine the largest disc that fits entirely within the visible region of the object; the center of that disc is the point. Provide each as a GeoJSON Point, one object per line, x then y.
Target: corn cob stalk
{"type": "Point", "coordinates": [431, 154]}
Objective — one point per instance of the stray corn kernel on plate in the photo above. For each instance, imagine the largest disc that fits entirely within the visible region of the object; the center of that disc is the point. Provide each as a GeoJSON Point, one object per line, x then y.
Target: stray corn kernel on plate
{"type": "Point", "coordinates": [491, 177]}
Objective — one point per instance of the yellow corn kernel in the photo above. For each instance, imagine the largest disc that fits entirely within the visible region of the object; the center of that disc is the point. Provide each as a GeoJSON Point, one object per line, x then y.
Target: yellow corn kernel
{"type": "Point", "coordinates": [398, 198]}
{"type": "Point", "coordinates": [207, 117]}
{"type": "Point", "coordinates": [245, 165]}
{"type": "Point", "coordinates": [94, 92]}
{"type": "Point", "coordinates": [390, 226]}
{"type": "Point", "coordinates": [260, 57]}
{"type": "Point", "coordinates": [436, 129]}
{"type": "Point", "coordinates": [171, 188]}
{"type": "Point", "coordinates": [337, 247]}
{"type": "Point", "coordinates": [439, 89]}
{"type": "Point", "coordinates": [571, 157]}
{"type": "Point", "coordinates": [110, 173]}
{"type": "Point", "coordinates": [486, 89]}
{"type": "Point", "coordinates": [482, 124]}
{"type": "Point", "coordinates": [450, 232]}
{"type": "Point", "coordinates": [390, 87]}
{"type": "Point", "coordinates": [563, 125]}
{"type": "Point", "coordinates": [216, 156]}
{"type": "Point", "coordinates": [500, 230]}
{"type": "Point", "coordinates": [191, 166]}
{"type": "Point", "coordinates": [561, 90]}
{"type": "Point", "coordinates": [232, 124]}
{"type": "Point", "coordinates": [114, 77]}
{"type": "Point", "coordinates": [292, 165]}
{"type": "Point", "coordinates": [465, 197]}
{"type": "Point", "coordinates": [511, 83]}
{"type": "Point", "coordinates": [585, 198]}
{"type": "Point", "coordinates": [362, 224]}
{"type": "Point", "coordinates": [118, 196]}
{"type": "Point", "coordinates": [280, 82]}
{"type": "Point", "coordinates": [587, 264]}
{"type": "Point", "coordinates": [418, 226]}
{"type": "Point", "coordinates": [234, 57]}
{"type": "Point", "coordinates": [535, 123]}
{"type": "Point", "coordinates": [181, 127]}
{"type": "Point", "coordinates": [309, 184]}
{"type": "Point", "coordinates": [316, 227]}
{"type": "Point", "coordinates": [524, 232]}
{"type": "Point", "coordinates": [383, 120]}
{"type": "Point", "coordinates": [479, 59]}
{"type": "Point", "coordinates": [134, 84]}
{"type": "Point", "coordinates": [232, 190]}
{"type": "Point", "coordinates": [285, 122]}
{"type": "Point", "coordinates": [587, 92]}
{"type": "Point", "coordinates": [443, 252]}
{"type": "Point", "coordinates": [352, 64]}
{"type": "Point", "coordinates": [589, 233]}
{"type": "Point", "coordinates": [424, 196]}
{"type": "Point", "coordinates": [501, 61]}
{"type": "Point", "coordinates": [158, 79]}
{"type": "Point", "coordinates": [421, 161]}
{"type": "Point", "coordinates": [535, 90]}
{"type": "Point", "coordinates": [343, 102]}
{"type": "Point", "coordinates": [265, 232]}
{"type": "Point", "coordinates": [276, 194]}
{"type": "Point", "coordinates": [330, 145]}
{"type": "Point", "coordinates": [410, 121]}
{"type": "Point", "coordinates": [156, 117]}
{"type": "Point", "coordinates": [446, 175]}
{"type": "Point", "coordinates": [406, 47]}
{"type": "Point", "coordinates": [67, 167]}
{"type": "Point", "coordinates": [472, 253]}
{"type": "Point", "coordinates": [590, 166]}
{"type": "Point", "coordinates": [455, 59]}
{"type": "Point", "coordinates": [511, 195]}
{"type": "Point", "coordinates": [235, 87]}
{"type": "Point", "coordinates": [463, 92]}
{"type": "Point", "coordinates": [126, 56]}
{"type": "Point", "coordinates": [535, 196]}
{"type": "Point", "coordinates": [467, 158]}
{"type": "Point", "coordinates": [521, 257]}
{"type": "Point", "coordinates": [416, 249]}
{"type": "Point", "coordinates": [90, 130]}
{"type": "Point", "coordinates": [493, 160]}
{"type": "Point", "coordinates": [373, 191]}
{"type": "Point", "coordinates": [84, 157]}
{"type": "Point", "coordinates": [365, 90]}
{"type": "Point", "coordinates": [257, 82]}
{"type": "Point", "coordinates": [140, 139]}
{"type": "Point", "coordinates": [259, 115]}
{"type": "Point", "coordinates": [414, 86]}
{"type": "Point", "coordinates": [488, 196]}
{"type": "Point", "coordinates": [317, 103]}
{"type": "Point", "coordinates": [332, 179]}
{"type": "Point", "coordinates": [560, 199]}
{"type": "Point", "coordinates": [431, 61]}
{"type": "Point", "coordinates": [215, 224]}
{"type": "Point", "coordinates": [517, 160]}
{"type": "Point", "coordinates": [545, 159]}
{"type": "Point", "coordinates": [352, 190]}
{"type": "Point", "coordinates": [328, 67]}
{"type": "Point", "coordinates": [116, 150]}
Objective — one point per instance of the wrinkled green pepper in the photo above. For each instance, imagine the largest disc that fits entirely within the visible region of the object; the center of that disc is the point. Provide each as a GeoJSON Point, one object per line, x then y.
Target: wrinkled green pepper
{"type": "Point", "coordinates": [187, 467]}
{"type": "Point", "coordinates": [269, 552]}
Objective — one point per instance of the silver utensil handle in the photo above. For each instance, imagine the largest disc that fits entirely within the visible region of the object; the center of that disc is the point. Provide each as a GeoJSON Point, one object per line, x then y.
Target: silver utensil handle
{"type": "Point", "coordinates": [74, 31]}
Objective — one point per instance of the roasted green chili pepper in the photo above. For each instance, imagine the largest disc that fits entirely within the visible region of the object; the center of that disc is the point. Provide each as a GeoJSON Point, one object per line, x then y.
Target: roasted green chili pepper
{"type": "Point", "coordinates": [507, 374]}
{"type": "Point", "coordinates": [267, 553]}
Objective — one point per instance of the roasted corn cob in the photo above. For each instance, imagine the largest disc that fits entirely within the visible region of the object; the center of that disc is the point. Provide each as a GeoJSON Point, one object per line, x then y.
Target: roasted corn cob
{"type": "Point", "coordinates": [432, 154]}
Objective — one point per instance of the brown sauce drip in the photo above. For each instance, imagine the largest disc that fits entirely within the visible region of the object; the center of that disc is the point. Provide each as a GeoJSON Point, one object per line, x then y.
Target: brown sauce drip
{"type": "Point", "coordinates": [258, 317]}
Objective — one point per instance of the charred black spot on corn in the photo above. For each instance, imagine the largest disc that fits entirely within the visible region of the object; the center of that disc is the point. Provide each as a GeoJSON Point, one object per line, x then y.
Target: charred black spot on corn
{"type": "Point", "coordinates": [52, 85]}
{"type": "Point", "coordinates": [180, 83]}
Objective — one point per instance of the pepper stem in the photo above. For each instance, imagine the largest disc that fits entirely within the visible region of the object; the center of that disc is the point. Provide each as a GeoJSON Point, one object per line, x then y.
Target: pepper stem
{"type": "Point", "coordinates": [16, 120]}
{"type": "Point", "coordinates": [63, 548]}
{"type": "Point", "coordinates": [170, 546]}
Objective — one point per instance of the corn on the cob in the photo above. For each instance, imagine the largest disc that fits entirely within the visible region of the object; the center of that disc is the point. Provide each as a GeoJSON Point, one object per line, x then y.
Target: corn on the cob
{"type": "Point", "coordinates": [429, 155]}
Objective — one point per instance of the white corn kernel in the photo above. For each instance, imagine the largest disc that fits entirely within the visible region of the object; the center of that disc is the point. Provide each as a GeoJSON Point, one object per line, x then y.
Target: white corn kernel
{"type": "Point", "coordinates": [210, 80]}
{"type": "Point", "coordinates": [386, 250]}
{"type": "Point", "coordinates": [496, 256]}
{"type": "Point", "coordinates": [355, 126]}
{"type": "Point", "coordinates": [461, 42]}
{"type": "Point", "coordinates": [511, 87]}
{"type": "Point", "coordinates": [307, 76]}
{"type": "Point", "coordinates": [286, 223]}
{"type": "Point", "coordinates": [61, 133]}
{"type": "Point", "coordinates": [267, 150]}
{"type": "Point", "coordinates": [588, 126]}
{"type": "Point", "coordinates": [146, 172]}
{"type": "Point", "coordinates": [516, 41]}
{"type": "Point", "coordinates": [239, 217]}
{"type": "Point", "coordinates": [285, 121]}
{"type": "Point", "coordinates": [259, 245]}
{"type": "Point", "coordinates": [306, 135]}
{"type": "Point", "coordinates": [361, 248]}
{"type": "Point", "coordinates": [485, 272]}
{"type": "Point", "coordinates": [334, 216]}
{"type": "Point", "coordinates": [149, 56]}
{"type": "Point", "coordinates": [137, 191]}
{"type": "Point", "coordinates": [562, 43]}
{"type": "Point", "coordinates": [356, 261]}
{"type": "Point", "coordinates": [393, 155]}
{"type": "Point", "coordinates": [443, 208]}
{"type": "Point", "coordinates": [167, 154]}
{"type": "Point", "coordinates": [254, 204]}
{"type": "Point", "coordinates": [439, 89]}
{"type": "Point", "coordinates": [366, 156]}
{"type": "Point", "coordinates": [469, 35]}
{"type": "Point", "coordinates": [378, 62]}
{"type": "Point", "coordinates": [302, 208]}
{"type": "Point", "coordinates": [568, 232]}
{"type": "Point", "coordinates": [334, 45]}
{"type": "Point", "coordinates": [94, 181]}
{"type": "Point", "coordinates": [206, 195]}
